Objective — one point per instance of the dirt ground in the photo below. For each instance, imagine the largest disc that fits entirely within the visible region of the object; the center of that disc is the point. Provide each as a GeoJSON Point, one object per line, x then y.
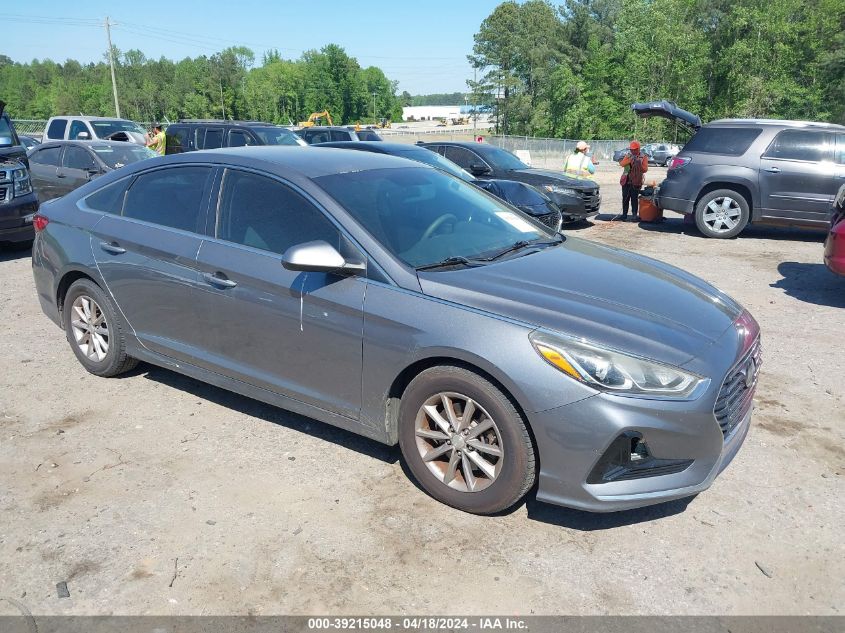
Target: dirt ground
{"type": "Point", "coordinates": [156, 494]}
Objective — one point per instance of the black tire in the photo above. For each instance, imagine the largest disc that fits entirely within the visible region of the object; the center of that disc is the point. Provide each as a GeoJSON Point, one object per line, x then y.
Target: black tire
{"type": "Point", "coordinates": [738, 202]}
{"type": "Point", "coordinates": [115, 361]}
{"type": "Point", "coordinates": [518, 467]}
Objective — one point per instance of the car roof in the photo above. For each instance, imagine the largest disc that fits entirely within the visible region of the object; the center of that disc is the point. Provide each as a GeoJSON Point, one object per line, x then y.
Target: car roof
{"type": "Point", "coordinates": [310, 162]}
{"type": "Point", "coordinates": [222, 122]}
{"type": "Point", "coordinates": [776, 122]}
{"type": "Point", "coordinates": [330, 127]}
{"type": "Point", "coordinates": [382, 148]}
{"type": "Point", "coordinates": [479, 147]}
{"type": "Point", "coordinates": [90, 118]}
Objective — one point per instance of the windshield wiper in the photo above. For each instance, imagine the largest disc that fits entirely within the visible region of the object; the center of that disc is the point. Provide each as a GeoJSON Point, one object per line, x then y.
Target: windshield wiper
{"type": "Point", "coordinates": [452, 261]}
{"type": "Point", "coordinates": [522, 244]}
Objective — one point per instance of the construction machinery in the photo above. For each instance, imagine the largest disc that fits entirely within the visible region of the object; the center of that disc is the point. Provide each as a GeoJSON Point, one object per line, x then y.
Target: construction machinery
{"type": "Point", "coordinates": [316, 119]}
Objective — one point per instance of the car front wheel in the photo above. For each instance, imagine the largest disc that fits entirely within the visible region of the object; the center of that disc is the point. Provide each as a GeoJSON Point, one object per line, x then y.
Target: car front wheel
{"type": "Point", "coordinates": [464, 441]}
{"type": "Point", "coordinates": [721, 214]}
{"type": "Point", "coordinates": [93, 330]}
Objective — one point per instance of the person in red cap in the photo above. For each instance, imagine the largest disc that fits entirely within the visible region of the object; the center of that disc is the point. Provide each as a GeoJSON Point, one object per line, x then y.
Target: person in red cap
{"type": "Point", "coordinates": [634, 165]}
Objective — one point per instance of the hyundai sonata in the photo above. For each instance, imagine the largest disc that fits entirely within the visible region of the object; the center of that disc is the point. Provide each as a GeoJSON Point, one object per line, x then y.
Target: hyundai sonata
{"type": "Point", "coordinates": [388, 298]}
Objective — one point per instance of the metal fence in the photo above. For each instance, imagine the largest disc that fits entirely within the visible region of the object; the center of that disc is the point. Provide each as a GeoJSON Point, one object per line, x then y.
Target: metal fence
{"type": "Point", "coordinates": [543, 152]}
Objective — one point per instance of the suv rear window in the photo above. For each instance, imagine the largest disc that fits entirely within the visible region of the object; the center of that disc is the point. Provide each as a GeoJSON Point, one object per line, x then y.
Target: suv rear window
{"type": "Point", "coordinates": [733, 141]}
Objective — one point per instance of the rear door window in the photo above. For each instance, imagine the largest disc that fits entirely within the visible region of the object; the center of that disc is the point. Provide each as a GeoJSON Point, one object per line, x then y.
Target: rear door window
{"type": "Point", "coordinates": [804, 145]}
{"type": "Point", "coordinates": [57, 128]}
{"type": "Point", "coordinates": [732, 141]}
{"type": "Point", "coordinates": [840, 149]}
{"type": "Point", "coordinates": [213, 138]}
{"type": "Point", "coordinates": [173, 197]}
{"type": "Point", "coordinates": [47, 156]}
{"type": "Point", "coordinates": [340, 135]}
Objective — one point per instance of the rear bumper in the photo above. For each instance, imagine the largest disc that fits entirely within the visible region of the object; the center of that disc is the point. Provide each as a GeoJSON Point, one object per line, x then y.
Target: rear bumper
{"type": "Point", "coordinates": [680, 205]}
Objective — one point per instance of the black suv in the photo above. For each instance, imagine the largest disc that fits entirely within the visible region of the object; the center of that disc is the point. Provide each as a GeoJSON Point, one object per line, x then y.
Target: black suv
{"type": "Point", "coordinates": [736, 171]}
{"type": "Point", "coordinates": [188, 135]}
{"type": "Point", "coordinates": [577, 198]}
{"type": "Point", "coordinates": [18, 203]}
{"type": "Point", "coordinates": [335, 133]}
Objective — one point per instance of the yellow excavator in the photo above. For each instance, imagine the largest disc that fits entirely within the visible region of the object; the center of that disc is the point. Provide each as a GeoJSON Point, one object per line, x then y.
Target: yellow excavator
{"type": "Point", "coordinates": [316, 119]}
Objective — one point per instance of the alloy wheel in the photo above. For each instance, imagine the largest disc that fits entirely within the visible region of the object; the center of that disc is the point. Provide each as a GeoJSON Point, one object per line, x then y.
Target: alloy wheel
{"type": "Point", "coordinates": [722, 214]}
{"type": "Point", "coordinates": [459, 441]}
{"type": "Point", "coordinates": [90, 329]}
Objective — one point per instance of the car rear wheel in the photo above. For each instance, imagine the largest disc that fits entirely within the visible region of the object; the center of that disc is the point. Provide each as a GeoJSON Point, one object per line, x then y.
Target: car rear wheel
{"type": "Point", "coordinates": [722, 213]}
{"type": "Point", "coordinates": [464, 441]}
{"type": "Point", "coordinates": [93, 330]}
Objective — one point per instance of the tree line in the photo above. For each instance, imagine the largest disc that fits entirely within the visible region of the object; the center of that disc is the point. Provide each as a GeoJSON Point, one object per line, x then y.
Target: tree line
{"type": "Point", "coordinates": [573, 70]}
{"type": "Point", "coordinates": [229, 82]}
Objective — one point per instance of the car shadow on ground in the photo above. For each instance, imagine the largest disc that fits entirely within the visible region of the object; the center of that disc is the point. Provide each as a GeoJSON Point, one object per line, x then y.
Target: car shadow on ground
{"type": "Point", "coordinates": [537, 510]}
{"type": "Point", "coordinates": [755, 231]}
{"type": "Point", "coordinates": [269, 413]}
{"type": "Point", "coordinates": [593, 521]}
{"type": "Point", "coordinates": [578, 225]}
{"type": "Point", "coordinates": [9, 253]}
{"type": "Point", "coordinates": [811, 283]}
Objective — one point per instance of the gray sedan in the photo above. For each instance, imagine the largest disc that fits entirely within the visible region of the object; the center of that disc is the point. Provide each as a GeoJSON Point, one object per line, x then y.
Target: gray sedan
{"type": "Point", "coordinates": [59, 167]}
{"type": "Point", "coordinates": [393, 300]}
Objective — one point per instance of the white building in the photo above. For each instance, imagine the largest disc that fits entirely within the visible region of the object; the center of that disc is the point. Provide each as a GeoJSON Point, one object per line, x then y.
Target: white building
{"type": "Point", "coordinates": [429, 113]}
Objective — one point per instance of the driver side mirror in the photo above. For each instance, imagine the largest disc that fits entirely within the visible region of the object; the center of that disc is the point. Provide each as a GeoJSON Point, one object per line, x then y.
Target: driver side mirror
{"type": "Point", "coordinates": [479, 169]}
{"type": "Point", "coordinates": [319, 257]}
{"type": "Point", "coordinates": [83, 136]}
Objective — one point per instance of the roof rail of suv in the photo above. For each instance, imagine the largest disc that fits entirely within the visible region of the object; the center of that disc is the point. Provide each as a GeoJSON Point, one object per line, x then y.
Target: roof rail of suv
{"type": "Point", "coordinates": [224, 122]}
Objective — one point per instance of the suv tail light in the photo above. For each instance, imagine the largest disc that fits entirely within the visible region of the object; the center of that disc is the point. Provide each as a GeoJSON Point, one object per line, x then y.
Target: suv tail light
{"type": "Point", "coordinates": [39, 222]}
{"type": "Point", "coordinates": [678, 162]}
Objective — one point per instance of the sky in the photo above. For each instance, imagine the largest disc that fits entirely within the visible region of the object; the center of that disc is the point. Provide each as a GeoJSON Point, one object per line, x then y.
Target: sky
{"type": "Point", "coordinates": [422, 45]}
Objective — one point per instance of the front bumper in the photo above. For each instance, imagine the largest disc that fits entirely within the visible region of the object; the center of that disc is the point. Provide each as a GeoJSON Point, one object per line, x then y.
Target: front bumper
{"type": "Point", "coordinates": [573, 438]}
{"type": "Point", "coordinates": [580, 207]}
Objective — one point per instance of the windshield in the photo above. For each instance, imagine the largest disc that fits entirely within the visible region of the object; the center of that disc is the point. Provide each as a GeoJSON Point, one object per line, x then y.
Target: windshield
{"type": "Point", "coordinates": [116, 156]}
{"type": "Point", "coordinates": [435, 160]}
{"type": "Point", "coordinates": [424, 216]}
{"type": "Point", "coordinates": [6, 131]}
{"type": "Point", "coordinates": [105, 128]}
{"type": "Point", "coordinates": [277, 136]}
{"type": "Point", "coordinates": [502, 159]}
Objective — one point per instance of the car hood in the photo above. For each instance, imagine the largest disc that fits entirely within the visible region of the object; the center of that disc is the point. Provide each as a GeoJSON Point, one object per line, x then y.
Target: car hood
{"type": "Point", "coordinates": [541, 176]}
{"type": "Point", "coordinates": [667, 110]}
{"type": "Point", "coordinates": [607, 295]}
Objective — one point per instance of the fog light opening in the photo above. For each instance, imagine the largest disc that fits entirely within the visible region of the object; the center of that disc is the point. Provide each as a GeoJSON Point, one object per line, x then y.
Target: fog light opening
{"type": "Point", "coordinates": [629, 457]}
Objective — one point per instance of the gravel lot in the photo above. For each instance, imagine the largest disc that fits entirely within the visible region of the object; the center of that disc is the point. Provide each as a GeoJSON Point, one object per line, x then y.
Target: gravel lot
{"type": "Point", "coordinates": [156, 494]}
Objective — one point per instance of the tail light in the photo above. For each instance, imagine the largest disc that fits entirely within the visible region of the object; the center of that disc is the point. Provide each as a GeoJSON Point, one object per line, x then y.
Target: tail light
{"type": "Point", "coordinates": [39, 222]}
{"type": "Point", "coordinates": [678, 162]}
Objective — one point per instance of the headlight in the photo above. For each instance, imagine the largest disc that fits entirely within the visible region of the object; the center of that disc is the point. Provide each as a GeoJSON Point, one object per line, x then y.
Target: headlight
{"type": "Point", "coordinates": [564, 191]}
{"type": "Point", "coordinates": [23, 185]}
{"type": "Point", "coordinates": [613, 371]}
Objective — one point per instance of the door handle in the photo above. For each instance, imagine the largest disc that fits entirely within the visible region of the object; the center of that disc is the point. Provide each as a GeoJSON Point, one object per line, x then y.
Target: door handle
{"type": "Point", "coordinates": [772, 170]}
{"type": "Point", "coordinates": [216, 280]}
{"type": "Point", "coordinates": [111, 247]}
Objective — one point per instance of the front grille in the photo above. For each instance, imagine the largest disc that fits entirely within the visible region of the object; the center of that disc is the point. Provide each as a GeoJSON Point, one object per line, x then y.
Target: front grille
{"type": "Point", "coordinates": [591, 199]}
{"type": "Point", "coordinates": [551, 220]}
{"type": "Point", "coordinates": [5, 193]}
{"type": "Point", "coordinates": [737, 392]}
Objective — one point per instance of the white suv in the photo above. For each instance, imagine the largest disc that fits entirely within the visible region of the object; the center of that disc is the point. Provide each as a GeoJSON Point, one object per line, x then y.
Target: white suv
{"type": "Point", "coordinates": [90, 128]}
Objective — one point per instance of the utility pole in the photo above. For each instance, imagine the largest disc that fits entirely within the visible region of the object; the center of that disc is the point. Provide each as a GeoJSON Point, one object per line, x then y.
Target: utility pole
{"type": "Point", "coordinates": [474, 101]}
{"type": "Point", "coordinates": [374, 107]}
{"type": "Point", "coordinates": [111, 63]}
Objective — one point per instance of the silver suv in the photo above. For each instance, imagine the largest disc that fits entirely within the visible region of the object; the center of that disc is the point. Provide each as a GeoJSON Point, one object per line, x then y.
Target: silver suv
{"type": "Point", "coordinates": [733, 172]}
